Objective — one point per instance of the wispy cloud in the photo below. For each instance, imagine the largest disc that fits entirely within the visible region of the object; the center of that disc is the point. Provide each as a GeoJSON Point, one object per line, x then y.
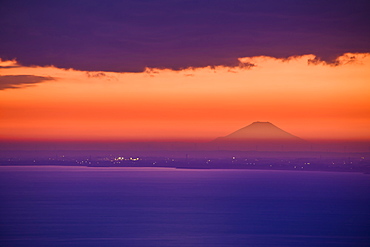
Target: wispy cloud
{"type": "Point", "coordinates": [20, 81]}
{"type": "Point", "coordinates": [340, 60]}
{"type": "Point", "coordinates": [8, 64]}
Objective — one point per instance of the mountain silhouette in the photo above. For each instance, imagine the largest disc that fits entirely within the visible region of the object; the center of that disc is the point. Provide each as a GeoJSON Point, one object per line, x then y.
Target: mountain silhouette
{"type": "Point", "coordinates": [260, 132]}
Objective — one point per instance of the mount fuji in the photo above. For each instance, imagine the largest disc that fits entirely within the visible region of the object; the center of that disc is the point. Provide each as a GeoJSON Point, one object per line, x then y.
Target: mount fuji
{"type": "Point", "coordinates": [260, 132]}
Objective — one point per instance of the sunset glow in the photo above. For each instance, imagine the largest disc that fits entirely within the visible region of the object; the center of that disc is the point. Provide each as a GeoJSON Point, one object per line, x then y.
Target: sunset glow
{"type": "Point", "coordinates": [307, 97]}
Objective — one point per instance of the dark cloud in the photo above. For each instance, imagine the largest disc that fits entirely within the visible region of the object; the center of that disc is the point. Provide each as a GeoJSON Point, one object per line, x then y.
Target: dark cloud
{"type": "Point", "coordinates": [9, 67]}
{"type": "Point", "coordinates": [347, 59]}
{"type": "Point", "coordinates": [129, 35]}
{"type": "Point", "coordinates": [95, 75]}
{"type": "Point", "coordinates": [20, 81]}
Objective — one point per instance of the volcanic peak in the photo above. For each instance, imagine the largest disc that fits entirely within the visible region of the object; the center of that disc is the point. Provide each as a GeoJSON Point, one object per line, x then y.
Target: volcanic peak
{"type": "Point", "coordinates": [260, 131]}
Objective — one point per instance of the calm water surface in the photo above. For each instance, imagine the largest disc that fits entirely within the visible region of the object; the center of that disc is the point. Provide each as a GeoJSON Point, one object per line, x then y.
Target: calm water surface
{"type": "Point", "coordinates": [80, 206]}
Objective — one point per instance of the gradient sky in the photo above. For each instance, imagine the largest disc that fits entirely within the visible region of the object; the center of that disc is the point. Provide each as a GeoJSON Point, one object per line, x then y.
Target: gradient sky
{"type": "Point", "coordinates": [165, 70]}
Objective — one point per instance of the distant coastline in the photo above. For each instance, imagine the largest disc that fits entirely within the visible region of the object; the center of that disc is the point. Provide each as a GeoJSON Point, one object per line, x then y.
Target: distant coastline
{"type": "Point", "coordinates": [297, 161]}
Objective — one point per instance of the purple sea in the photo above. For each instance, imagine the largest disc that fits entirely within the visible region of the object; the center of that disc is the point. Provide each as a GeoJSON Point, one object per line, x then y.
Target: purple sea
{"type": "Point", "coordinates": [85, 206]}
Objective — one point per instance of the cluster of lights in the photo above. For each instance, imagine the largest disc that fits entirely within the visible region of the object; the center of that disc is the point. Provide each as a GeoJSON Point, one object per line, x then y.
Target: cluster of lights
{"type": "Point", "coordinates": [123, 158]}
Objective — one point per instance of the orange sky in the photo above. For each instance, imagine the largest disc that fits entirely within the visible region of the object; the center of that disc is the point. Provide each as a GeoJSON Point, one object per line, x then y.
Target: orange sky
{"type": "Point", "coordinates": [312, 100]}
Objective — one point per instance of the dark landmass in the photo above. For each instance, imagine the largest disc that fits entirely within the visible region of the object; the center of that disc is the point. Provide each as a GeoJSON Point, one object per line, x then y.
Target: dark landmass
{"type": "Point", "coordinates": [260, 145]}
{"type": "Point", "coordinates": [303, 161]}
